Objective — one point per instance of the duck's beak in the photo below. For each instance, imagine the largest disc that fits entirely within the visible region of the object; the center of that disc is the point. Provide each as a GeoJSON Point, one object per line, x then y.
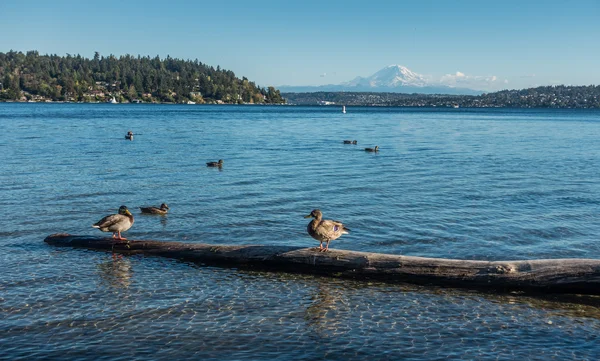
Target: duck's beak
{"type": "Point", "coordinates": [309, 216]}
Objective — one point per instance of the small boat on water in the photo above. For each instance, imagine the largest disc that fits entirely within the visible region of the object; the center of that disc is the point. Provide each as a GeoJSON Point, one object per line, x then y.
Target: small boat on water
{"type": "Point", "coordinates": [344, 109]}
{"type": "Point", "coordinates": [113, 100]}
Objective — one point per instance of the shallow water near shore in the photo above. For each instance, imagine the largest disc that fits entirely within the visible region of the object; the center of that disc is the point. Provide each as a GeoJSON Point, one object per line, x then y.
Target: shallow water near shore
{"type": "Point", "coordinates": [488, 184]}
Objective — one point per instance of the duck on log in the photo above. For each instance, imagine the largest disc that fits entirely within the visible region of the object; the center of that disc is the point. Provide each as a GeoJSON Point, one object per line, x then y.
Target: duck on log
{"type": "Point", "coordinates": [576, 276]}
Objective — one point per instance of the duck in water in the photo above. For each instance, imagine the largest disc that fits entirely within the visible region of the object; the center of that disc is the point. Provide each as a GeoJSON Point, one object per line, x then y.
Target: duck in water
{"type": "Point", "coordinates": [154, 210]}
{"type": "Point", "coordinates": [215, 164]}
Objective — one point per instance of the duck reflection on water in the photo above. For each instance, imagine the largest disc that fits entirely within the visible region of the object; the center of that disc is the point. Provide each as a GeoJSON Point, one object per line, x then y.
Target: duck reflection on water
{"type": "Point", "coordinates": [325, 315]}
{"type": "Point", "coordinates": [116, 272]}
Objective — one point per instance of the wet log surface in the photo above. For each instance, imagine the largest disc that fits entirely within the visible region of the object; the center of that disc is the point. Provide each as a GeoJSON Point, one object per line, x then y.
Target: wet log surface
{"type": "Point", "coordinates": [578, 276]}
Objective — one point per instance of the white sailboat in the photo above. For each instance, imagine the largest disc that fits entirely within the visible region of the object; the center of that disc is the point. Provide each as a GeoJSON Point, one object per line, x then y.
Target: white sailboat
{"type": "Point", "coordinates": [113, 100]}
{"type": "Point", "coordinates": [344, 109]}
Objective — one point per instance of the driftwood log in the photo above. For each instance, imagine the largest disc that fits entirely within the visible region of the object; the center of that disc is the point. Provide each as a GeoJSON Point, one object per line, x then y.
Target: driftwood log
{"type": "Point", "coordinates": [575, 276]}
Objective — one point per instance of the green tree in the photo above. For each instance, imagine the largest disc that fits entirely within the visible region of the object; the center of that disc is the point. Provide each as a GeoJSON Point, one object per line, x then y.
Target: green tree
{"type": "Point", "coordinates": [132, 92]}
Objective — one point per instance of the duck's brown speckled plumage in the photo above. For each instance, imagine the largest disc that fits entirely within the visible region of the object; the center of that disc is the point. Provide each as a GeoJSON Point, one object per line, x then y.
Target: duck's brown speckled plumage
{"type": "Point", "coordinates": [324, 230]}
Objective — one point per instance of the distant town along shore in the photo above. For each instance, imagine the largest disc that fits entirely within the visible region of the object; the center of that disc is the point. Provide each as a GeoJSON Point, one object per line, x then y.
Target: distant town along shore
{"type": "Point", "coordinates": [586, 97]}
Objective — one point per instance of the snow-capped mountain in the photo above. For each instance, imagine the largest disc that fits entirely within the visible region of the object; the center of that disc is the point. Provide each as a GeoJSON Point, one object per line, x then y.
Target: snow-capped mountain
{"type": "Point", "coordinates": [390, 77]}
{"type": "Point", "coordinates": [393, 79]}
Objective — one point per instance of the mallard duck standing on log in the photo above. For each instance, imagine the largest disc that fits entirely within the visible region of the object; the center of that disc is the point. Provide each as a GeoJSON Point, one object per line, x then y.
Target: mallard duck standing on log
{"type": "Point", "coordinates": [324, 230]}
{"type": "Point", "coordinates": [116, 223]}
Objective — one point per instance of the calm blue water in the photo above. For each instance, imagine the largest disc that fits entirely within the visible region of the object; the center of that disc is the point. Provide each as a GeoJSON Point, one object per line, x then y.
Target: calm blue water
{"type": "Point", "coordinates": [487, 184]}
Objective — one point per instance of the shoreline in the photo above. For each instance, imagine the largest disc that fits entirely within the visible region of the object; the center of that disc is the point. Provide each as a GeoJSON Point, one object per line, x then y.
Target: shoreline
{"type": "Point", "coordinates": [332, 106]}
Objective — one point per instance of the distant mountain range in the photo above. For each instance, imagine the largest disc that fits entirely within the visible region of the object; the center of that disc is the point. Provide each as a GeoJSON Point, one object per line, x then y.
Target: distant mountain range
{"type": "Point", "coordinates": [391, 79]}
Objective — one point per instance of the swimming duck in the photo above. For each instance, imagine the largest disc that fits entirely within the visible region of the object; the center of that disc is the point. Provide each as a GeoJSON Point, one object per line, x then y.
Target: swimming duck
{"type": "Point", "coordinates": [215, 164]}
{"type": "Point", "coordinates": [376, 149]}
{"type": "Point", "coordinates": [154, 210]}
{"type": "Point", "coordinates": [129, 135]}
{"type": "Point", "coordinates": [116, 223]}
{"type": "Point", "coordinates": [324, 230]}
{"type": "Point", "coordinates": [350, 142]}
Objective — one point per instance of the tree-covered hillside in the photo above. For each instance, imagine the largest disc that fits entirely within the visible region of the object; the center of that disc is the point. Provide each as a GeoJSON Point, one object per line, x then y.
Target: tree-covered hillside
{"type": "Point", "coordinates": [559, 96]}
{"type": "Point", "coordinates": [32, 76]}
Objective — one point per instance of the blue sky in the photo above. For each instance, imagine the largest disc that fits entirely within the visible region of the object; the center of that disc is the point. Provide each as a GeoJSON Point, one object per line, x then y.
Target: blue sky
{"type": "Point", "coordinates": [497, 45]}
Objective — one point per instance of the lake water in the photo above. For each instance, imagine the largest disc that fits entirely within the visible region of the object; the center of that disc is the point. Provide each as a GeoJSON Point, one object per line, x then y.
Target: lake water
{"type": "Point", "coordinates": [482, 184]}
